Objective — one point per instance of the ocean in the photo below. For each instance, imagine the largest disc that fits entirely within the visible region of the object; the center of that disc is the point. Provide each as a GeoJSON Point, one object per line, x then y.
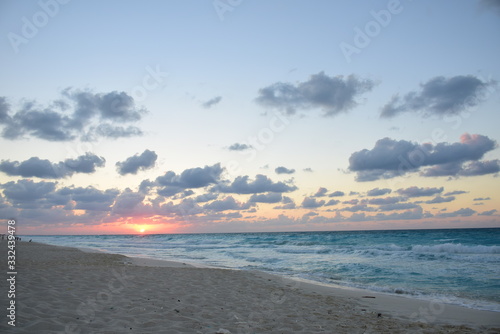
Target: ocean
{"type": "Point", "coordinates": [454, 266]}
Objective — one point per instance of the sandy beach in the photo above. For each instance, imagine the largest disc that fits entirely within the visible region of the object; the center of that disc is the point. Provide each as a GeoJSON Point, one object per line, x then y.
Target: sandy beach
{"type": "Point", "coordinates": [66, 290]}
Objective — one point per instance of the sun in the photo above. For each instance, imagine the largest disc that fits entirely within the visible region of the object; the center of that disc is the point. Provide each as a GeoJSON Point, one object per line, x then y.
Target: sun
{"type": "Point", "coordinates": [142, 230]}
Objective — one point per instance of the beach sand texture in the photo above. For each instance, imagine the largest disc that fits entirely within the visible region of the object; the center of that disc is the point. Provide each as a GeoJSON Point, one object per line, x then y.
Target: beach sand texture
{"type": "Point", "coordinates": [65, 290]}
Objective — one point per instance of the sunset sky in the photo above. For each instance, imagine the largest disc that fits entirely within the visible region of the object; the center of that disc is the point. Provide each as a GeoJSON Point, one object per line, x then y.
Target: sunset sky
{"type": "Point", "coordinates": [235, 115]}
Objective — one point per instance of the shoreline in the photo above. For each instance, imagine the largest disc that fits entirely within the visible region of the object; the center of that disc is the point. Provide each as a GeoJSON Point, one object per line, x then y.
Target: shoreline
{"type": "Point", "coordinates": [437, 303]}
{"type": "Point", "coordinates": [188, 297]}
{"type": "Point", "coordinates": [398, 306]}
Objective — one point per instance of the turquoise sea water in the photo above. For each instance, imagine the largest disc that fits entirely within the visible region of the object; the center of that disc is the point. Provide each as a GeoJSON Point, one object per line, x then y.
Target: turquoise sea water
{"type": "Point", "coordinates": [457, 266]}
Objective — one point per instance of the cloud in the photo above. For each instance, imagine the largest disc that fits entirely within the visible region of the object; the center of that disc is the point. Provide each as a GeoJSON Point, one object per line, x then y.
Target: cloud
{"type": "Point", "coordinates": [90, 198]}
{"type": "Point", "coordinates": [488, 213]}
{"type": "Point", "coordinates": [4, 110]}
{"type": "Point", "coordinates": [480, 168]}
{"type": "Point", "coordinates": [284, 170]}
{"type": "Point", "coordinates": [261, 184]}
{"type": "Point", "coordinates": [210, 103]}
{"type": "Point", "coordinates": [312, 203]}
{"type": "Point", "coordinates": [321, 192]}
{"type": "Point", "coordinates": [482, 199]}
{"type": "Point", "coordinates": [439, 199]}
{"type": "Point", "coordinates": [206, 197]}
{"type": "Point", "coordinates": [27, 193]}
{"type": "Point", "coordinates": [390, 158]}
{"type": "Point", "coordinates": [137, 162]}
{"type": "Point", "coordinates": [358, 207]}
{"type": "Point", "coordinates": [378, 192]}
{"type": "Point", "coordinates": [288, 204]}
{"type": "Point", "coordinates": [42, 168]}
{"type": "Point", "coordinates": [332, 95]}
{"type": "Point", "coordinates": [385, 201]}
{"type": "Point", "coordinates": [332, 202]}
{"type": "Point", "coordinates": [266, 198]}
{"type": "Point", "coordinates": [416, 213]}
{"type": "Point", "coordinates": [309, 170]}
{"type": "Point", "coordinates": [75, 114]}
{"type": "Point", "coordinates": [239, 147]}
{"type": "Point", "coordinates": [228, 203]}
{"type": "Point", "coordinates": [130, 204]}
{"type": "Point", "coordinates": [464, 212]}
{"type": "Point", "coordinates": [456, 192]}
{"type": "Point", "coordinates": [198, 177]}
{"type": "Point", "coordinates": [440, 96]}
{"type": "Point", "coordinates": [337, 194]}
{"type": "Point", "coordinates": [111, 131]}
{"type": "Point", "coordinates": [398, 206]}
{"type": "Point", "coordinates": [419, 192]}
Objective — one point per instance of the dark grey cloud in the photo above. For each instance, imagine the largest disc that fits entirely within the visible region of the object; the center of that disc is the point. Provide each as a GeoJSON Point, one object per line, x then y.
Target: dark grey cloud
{"type": "Point", "coordinates": [206, 197]}
{"type": "Point", "coordinates": [358, 207]}
{"type": "Point", "coordinates": [261, 184]}
{"type": "Point", "coordinates": [187, 207]}
{"type": "Point", "coordinates": [75, 114]}
{"type": "Point", "coordinates": [463, 212]}
{"type": "Point", "coordinates": [456, 192]}
{"type": "Point", "coordinates": [321, 192]}
{"type": "Point", "coordinates": [111, 131]}
{"type": "Point", "coordinates": [266, 198]}
{"type": "Point", "coordinates": [133, 164]}
{"type": "Point", "coordinates": [482, 199]}
{"type": "Point", "coordinates": [480, 168]}
{"type": "Point", "coordinates": [228, 203]}
{"type": "Point", "coordinates": [440, 96]}
{"type": "Point", "coordinates": [332, 95]}
{"type": "Point", "coordinates": [420, 192]}
{"type": "Point", "coordinates": [385, 201]}
{"type": "Point", "coordinates": [27, 193]}
{"type": "Point", "coordinates": [390, 158]}
{"type": "Point", "coordinates": [129, 203]}
{"type": "Point", "coordinates": [312, 203]}
{"type": "Point", "coordinates": [398, 206]}
{"type": "Point", "coordinates": [416, 213]}
{"type": "Point", "coordinates": [198, 177]}
{"type": "Point", "coordinates": [337, 194]}
{"type": "Point", "coordinates": [4, 110]}
{"type": "Point", "coordinates": [284, 170]}
{"type": "Point", "coordinates": [332, 202]}
{"type": "Point", "coordinates": [439, 199]}
{"type": "Point", "coordinates": [212, 102]}
{"type": "Point", "coordinates": [42, 168]}
{"type": "Point", "coordinates": [91, 198]}
{"type": "Point", "coordinates": [493, 5]}
{"type": "Point", "coordinates": [456, 169]}
{"type": "Point", "coordinates": [239, 147]}
{"type": "Point", "coordinates": [488, 213]}
{"type": "Point", "coordinates": [378, 192]}
{"type": "Point", "coordinates": [288, 204]}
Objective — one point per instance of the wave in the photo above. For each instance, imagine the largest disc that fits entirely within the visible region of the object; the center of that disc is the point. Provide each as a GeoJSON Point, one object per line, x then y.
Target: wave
{"type": "Point", "coordinates": [456, 249]}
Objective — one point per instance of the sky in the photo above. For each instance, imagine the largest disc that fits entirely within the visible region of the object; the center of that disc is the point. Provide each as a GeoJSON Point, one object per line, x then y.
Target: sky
{"type": "Point", "coordinates": [124, 117]}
